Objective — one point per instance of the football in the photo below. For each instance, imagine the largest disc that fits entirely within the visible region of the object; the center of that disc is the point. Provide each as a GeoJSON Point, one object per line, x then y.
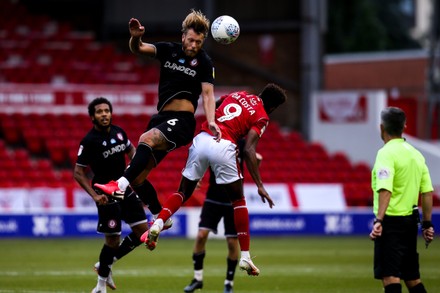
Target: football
{"type": "Point", "coordinates": [225, 29]}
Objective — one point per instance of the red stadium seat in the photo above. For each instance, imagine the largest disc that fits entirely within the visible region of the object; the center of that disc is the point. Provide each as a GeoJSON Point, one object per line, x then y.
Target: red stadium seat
{"type": "Point", "coordinates": [43, 165]}
{"type": "Point", "coordinates": [11, 131]}
{"type": "Point", "coordinates": [57, 152]}
{"type": "Point", "coordinates": [362, 172]}
{"type": "Point", "coordinates": [34, 141]}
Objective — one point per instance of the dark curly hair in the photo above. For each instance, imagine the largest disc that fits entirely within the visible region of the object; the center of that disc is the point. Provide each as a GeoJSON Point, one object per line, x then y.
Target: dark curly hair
{"type": "Point", "coordinates": [272, 96]}
{"type": "Point", "coordinates": [97, 101]}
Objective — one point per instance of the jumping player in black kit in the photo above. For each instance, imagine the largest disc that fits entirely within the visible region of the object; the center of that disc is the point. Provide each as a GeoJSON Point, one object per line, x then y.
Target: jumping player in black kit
{"type": "Point", "coordinates": [103, 149]}
{"type": "Point", "coordinates": [186, 73]}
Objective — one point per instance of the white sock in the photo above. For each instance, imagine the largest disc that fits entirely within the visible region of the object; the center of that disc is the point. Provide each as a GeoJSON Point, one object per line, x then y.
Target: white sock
{"type": "Point", "coordinates": [245, 255]}
{"type": "Point", "coordinates": [123, 183]}
{"type": "Point", "coordinates": [198, 275]}
{"type": "Point", "coordinates": [159, 222]}
{"type": "Point", "coordinates": [101, 281]}
{"type": "Point", "coordinates": [229, 282]}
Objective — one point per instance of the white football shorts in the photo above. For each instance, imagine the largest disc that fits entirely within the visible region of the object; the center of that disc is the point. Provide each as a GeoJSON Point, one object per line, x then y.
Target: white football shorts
{"type": "Point", "coordinates": [221, 156]}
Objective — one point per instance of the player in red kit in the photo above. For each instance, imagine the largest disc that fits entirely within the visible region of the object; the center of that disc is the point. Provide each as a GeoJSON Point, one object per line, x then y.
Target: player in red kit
{"type": "Point", "coordinates": [239, 115]}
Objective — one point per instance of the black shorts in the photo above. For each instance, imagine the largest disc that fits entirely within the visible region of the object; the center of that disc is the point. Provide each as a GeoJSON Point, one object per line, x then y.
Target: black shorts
{"type": "Point", "coordinates": [130, 210]}
{"type": "Point", "coordinates": [211, 215]}
{"type": "Point", "coordinates": [395, 252]}
{"type": "Point", "coordinates": [177, 127]}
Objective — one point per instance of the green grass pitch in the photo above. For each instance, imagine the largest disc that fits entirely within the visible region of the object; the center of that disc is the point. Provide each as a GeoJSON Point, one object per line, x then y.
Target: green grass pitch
{"type": "Point", "coordinates": [288, 264]}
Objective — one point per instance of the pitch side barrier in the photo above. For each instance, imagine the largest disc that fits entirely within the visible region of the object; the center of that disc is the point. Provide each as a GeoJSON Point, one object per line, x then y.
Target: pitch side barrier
{"type": "Point", "coordinates": [67, 224]}
{"type": "Point", "coordinates": [301, 209]}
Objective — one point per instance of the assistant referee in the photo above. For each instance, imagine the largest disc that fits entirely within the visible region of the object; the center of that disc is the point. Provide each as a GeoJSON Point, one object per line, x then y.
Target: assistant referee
{"type": "Point", "coordinates": [399, 177]}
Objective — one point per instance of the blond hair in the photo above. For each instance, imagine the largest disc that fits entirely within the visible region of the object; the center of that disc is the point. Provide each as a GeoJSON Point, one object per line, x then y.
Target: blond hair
{"type": "Point", "coordinates": [197, 21]}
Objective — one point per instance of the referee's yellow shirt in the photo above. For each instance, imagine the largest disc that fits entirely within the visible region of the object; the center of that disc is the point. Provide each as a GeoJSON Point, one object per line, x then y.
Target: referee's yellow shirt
{"type": "Point", "coordinates": [400, 169]}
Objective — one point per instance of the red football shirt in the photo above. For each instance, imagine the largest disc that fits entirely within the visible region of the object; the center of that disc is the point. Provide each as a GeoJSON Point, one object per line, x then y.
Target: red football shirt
{"type": "Point", "coordinates": [239, 113]}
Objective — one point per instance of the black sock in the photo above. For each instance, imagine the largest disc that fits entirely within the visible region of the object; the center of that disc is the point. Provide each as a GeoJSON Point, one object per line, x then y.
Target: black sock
{"type": "Point", "coordinates": [198, 260]}
{"type": "Point", "coordinates": [130, 242]}
{"type": "Point", "coordinates": [105, 260]}
{"type": "Point", "coordinates": [148, 195]}
{"type": "Point", "coordinates": [393, 288]}
{"type": "Point", "coordinates": [139, 162]}
{"type": "Point", "coordinates": [232, 264]}
{"type": "Point", "coordinates": [419, 288]}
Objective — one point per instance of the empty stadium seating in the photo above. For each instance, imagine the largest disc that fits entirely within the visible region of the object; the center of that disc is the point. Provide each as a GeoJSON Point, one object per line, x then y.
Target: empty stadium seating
{"type": "Point", "coordinates": [37, 49]}
{"type": "Point", "coordinates": [49, 143]}
{"type": "Point", "coordinates": [43, 150]}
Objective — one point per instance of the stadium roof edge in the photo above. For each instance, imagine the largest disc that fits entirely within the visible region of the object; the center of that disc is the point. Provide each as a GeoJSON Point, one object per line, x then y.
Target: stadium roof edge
{"type": "Point", "coordinates": [375, 56]}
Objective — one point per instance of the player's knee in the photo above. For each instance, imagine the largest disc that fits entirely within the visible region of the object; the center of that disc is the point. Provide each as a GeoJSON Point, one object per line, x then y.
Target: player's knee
{"type": "Point", "coordinates": [233, 246]}
{"type": "Point", "coordinates": [112, 242]}
{"type": "Point", "coordinates": [200, 242]}
{"type": "Point", "coordinates": [239, 202]}
{"type": "Point", "coordinates": [148, 137]}
{"type": "Point", "coordinates": [138, 230]}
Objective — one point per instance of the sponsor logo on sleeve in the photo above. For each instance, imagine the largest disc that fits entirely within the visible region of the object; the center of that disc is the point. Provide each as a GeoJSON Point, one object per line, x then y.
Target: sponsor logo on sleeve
{"type": "Point", "coordinates": [383, 173]}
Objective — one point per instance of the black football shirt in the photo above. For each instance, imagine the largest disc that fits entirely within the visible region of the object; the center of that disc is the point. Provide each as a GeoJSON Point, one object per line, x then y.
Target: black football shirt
{"type": "Point", "coordinates": [181, 76]}
{"type": "Point", "coordinates": [105, 153]}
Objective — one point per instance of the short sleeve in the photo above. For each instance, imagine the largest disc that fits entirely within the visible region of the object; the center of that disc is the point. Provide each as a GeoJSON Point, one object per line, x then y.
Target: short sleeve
{"type": "Point", "coordinates": [207, 72]}
{"type": "Point", "coordinates": [426, 183]}
{"type": "Point", "coordinates": [384, 169]}
{"type": "Point", "coordinates": [161, 49]}
{"type": "Point", "coordinates": [260, 126]}
{"type": "Point", "coordinates": [83, 158]}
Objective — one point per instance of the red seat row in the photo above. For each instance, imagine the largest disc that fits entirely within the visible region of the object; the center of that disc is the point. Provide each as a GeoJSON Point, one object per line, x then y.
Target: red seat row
{"type": "Point", "coordinates": [287, 158]}
{"type": "Point", "coordinates": [37, 49]}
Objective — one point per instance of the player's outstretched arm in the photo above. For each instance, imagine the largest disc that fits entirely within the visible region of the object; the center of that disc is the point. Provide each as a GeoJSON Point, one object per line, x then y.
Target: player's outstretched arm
{"type": "Point", "coordinates": [135, 43]}
{"type": "Point", "coordinates": [250, 157]}
{"type": "Point", "coordinates": [209, 108]}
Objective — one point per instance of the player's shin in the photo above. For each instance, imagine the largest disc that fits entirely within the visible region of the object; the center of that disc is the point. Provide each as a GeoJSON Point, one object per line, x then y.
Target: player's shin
{"type": "Point", "coordinates": [241, 221]}
{"type": "Point", "coordinates": [130, 242]}
{"type": "Point", "coordinates": [172, 205]}
{"type": "Point", "coordinates": [105, 260]}
{"type": "Point", "coordinates": [148, 196]}
{"type": "Point", "coordinates": [139, 162]}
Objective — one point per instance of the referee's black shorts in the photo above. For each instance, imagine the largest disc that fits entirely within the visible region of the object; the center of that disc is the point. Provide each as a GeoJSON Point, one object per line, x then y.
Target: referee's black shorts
{"type": "Point", "coordinates": [395, 252]}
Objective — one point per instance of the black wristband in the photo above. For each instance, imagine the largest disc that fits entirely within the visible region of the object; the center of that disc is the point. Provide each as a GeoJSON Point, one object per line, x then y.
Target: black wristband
{"type": "Point", "coordinates": [427, 225]}
{"type": "Point", "coordinates": [376, 220]}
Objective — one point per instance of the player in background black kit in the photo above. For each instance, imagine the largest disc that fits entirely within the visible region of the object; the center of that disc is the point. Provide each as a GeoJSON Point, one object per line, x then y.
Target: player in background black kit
{"type": "Point", "coordinates": [186, 73]}
{"type": "Point", "coordinates": [215, 207]}
{"type": "Point", "coordinates": [103, 149]}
